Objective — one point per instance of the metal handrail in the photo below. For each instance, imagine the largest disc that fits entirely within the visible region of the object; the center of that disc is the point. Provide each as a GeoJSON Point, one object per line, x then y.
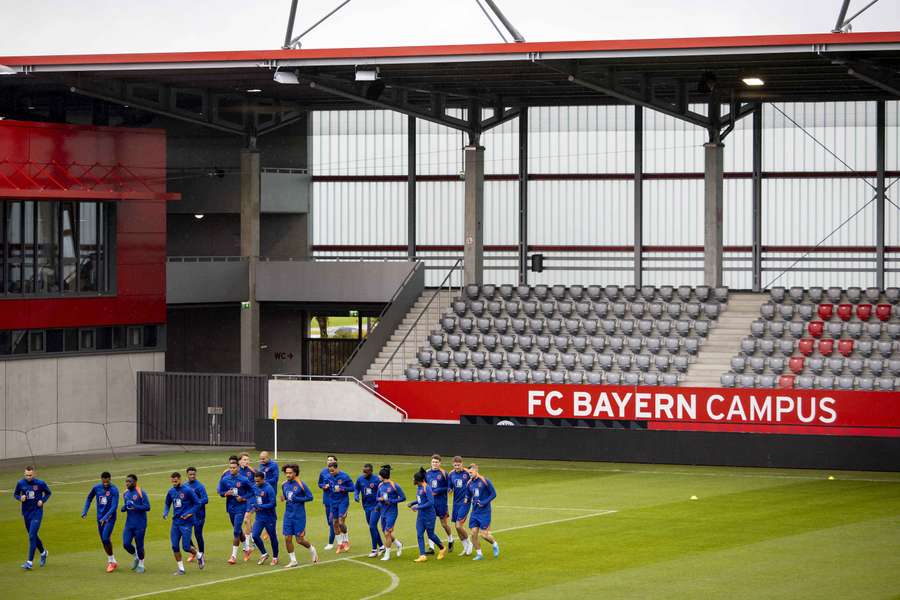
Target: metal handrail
{"type": "Point", "coordinates": [412, 328]}
{"type": "Point", "coordinates": [390, 302]}
{"type": "Point", "coordinates": [343, 378]}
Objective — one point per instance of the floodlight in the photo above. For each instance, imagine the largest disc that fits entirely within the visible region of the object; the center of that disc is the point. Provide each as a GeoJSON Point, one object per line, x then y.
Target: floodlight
{"type": "Point", "coordinates": [286, 77]}
{"type": "Point", "coordinates": [753, 81]}
{"type": "Point", "coordinates": [199, 216]}
{"type": "Point", "coordinates": [367, 74]}
{"type": "Point", "coordinates": [4, 70]}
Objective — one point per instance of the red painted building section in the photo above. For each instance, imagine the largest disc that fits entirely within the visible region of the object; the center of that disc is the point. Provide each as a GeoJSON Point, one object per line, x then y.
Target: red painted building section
{"type": "Point", "coordinates": [40, 161]}
{"type": "Point", "coordinates": [823, 412]}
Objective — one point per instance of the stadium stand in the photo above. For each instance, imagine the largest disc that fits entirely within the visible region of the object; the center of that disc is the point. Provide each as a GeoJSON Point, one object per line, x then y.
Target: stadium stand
{"type": "Point", "coordinates": [822, 338]}
{"type": "Point", "coordinates": [576, 334]}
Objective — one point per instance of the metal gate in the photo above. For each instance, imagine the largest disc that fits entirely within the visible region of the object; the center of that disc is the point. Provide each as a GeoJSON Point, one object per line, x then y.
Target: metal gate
{"type": "Point", "coordinates": [200, 408]}
{"type": "Point", "coordinates": [328, 356]}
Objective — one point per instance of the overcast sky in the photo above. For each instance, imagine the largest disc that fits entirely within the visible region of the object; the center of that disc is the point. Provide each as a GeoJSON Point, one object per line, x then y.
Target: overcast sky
{"type": "Point", "coordinates": [87, 26]}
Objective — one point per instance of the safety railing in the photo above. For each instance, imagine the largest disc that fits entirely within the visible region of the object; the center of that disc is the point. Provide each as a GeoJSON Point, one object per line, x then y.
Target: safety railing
{"type": "Point", "coordinates": [346, 378]}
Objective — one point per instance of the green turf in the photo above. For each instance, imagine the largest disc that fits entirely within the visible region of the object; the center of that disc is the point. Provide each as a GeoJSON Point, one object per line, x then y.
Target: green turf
{"type": "Point", "coordinates": [752, 533]}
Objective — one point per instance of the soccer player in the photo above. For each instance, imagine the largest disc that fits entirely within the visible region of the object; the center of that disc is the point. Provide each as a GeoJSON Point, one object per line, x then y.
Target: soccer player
{"type": "Point", "coordinates": [295, 494]}
{"type": "Point", "coordinates": [248, 473]}
{"type": "Point", "coordinates": [326, 499]}
{"type": "Point", "coordinates": [184, 503]}
{"type": "Point", "coordinates": [481, 494]}
{"type": "Point", "coordinates": [33, 494]}
{"type": "Point", "coordinates": [459, 485]}
{"type": "Point", "coordinates": [237, 492]}
{"type": "Point", "coordinates": [423, 505]}
{"type": "Point", "coordinates": [107, 496]}
{"type": "Point", "coordinates": [200, 516]}
{"type": "Point", "coordinates": [136, 505]}
{"type": "Point", "coordinates": [340, 485]}
{"type": "Point", "coordinates": [366, 488]}
{"type": "Point", "coordinates": [269, 468]}
{"type": "Point", "coordinates": [389, 496]}
{"type": "Point", "coordinates": [266, 518]}
{"type": "Point", "coordinates": [436, 478]}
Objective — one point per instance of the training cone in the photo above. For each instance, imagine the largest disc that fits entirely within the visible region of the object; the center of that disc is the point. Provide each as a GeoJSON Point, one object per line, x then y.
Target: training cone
{"type": "Point", "coordinates": [831, 478]}
{"type": "Point", "coordinates": [693, 497]}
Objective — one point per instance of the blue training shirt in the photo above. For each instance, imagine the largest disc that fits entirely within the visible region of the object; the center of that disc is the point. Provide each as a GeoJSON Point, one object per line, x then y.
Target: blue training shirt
{"type": "Point", "coordinates": [202, 497]}
{"type": "Point", "coordinates": [366, 490]}
{"type": "Point", "coordinates": [296, 494]}
{"type": "Point", "coordinates": [264, 501]}
{"type": "Point", "coordinates": [481, 493]}
{"type": "Point", "coordinates": [325, 479]}
{"type": "Point", "coordinates": [136, 504]}
{"type": "Point", "coordinates": [437, 481]}
{"type": "Point", "coordinates": [340, 485]}
{"type": "Point", "coordinates": [107, 499]}
{"type": "Point", "coordinates": [240, 486]}
{"type": "Point", "coordinates": [459, 485]}
{"type": "Point", "coordinates": [33, 491]}
{"type": "Point", "coordinates": [183, 501]}
{"type": "Point", "coordinates": [270, 470]}
{"type": "Point", "coordinates": [424, 501]}
{"type": "Point", "coordinates": [390, 495]}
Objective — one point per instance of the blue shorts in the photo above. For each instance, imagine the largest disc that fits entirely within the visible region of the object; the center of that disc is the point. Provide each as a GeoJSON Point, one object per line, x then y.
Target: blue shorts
{"type": "Point", "coordinates": [106, 529]}
{"type": "Point", "coordinates": [338, 510]}
{"type": "Point", "coordinates": [460, 511]}
{"type": "Point", "coordinates": [480, 519]}
{"type": "Point", "coordinates": [440, 507]}
{"type": "Point", "coordinates": [181, 532]}
{"type": "Point", "coordinates": [293, 525]}
{"type": "Point", "coordinates": [237, 521]}
{"type": "Point", "coordinates": [388, 518]}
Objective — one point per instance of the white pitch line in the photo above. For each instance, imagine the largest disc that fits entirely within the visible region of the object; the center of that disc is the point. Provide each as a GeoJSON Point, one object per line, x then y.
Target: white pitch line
{"type": "Point", "coordinates": [546, 508]}
{"type": "Point", "coordinates": [395, 580]}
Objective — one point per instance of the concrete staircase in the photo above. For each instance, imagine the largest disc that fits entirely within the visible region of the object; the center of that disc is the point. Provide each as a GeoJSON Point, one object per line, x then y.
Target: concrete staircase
{"type": "Point", "coordinates": [724, 340]}
{"type": "Point", "coordinates": [418, 338]}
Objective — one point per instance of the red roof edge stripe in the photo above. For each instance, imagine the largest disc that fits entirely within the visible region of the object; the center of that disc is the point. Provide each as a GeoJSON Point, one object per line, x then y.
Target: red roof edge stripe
{"type": "Point", "coordinates": [760, 41]}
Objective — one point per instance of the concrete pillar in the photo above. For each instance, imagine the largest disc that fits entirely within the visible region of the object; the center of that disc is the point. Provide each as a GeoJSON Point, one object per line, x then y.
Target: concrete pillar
{"type": "Point", "coordinates": [712, 231]}
{"type": "Point", "coordinates": [757, 198]}
{"type": "Point", "coordinates": [411, 188]}
{"type": "Point", "coordinates": [638, 196]}
{"type": "Point", "coordinates": [473, 240]}
{"type": "Point", "coordinates": [250, 218]}
{"type": "Point", "coordinates": [880, 190]}
{"type": "Point", "coordinates": [523, 196]}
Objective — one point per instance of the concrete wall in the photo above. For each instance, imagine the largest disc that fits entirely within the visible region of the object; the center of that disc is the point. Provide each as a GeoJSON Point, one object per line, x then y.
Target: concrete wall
{"type": "Point", "coordinates": [303, 281]}
{"type": "Point", "coordinates": [280, 340]}
{"type": "Point", "coordinates": [328, 401]}
{"type": "Point", "coordinates": [204, 339]}
{"type": "Point", "coordinates": [206, 282]}
{"type": "Point", "coordinates": [70, 404]}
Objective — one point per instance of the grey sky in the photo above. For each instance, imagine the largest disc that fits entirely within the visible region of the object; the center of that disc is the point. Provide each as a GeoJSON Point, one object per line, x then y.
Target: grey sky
{"type": "Point", "coordinates": [86, 26]}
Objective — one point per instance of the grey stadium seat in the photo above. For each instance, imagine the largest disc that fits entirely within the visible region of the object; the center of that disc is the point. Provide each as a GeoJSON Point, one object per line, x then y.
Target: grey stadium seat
{"type": "Point", "coordinates": [413, 374]}
{"type": "Point", "coordinates": [854, 330]}
{"type": "Point", "coordinates": [642, 362]}
{"type": "Point", "coordinates": [645, 327]}
{"type": "Point", "coordinates": [561, 342]}
{"type": "Point", "coordinates": [815, 294]}
{"type": "Point", "coordinates": [495, 308]}
{"type": "Point", "coordinates": [502, 375]}
{"type": "Point", "coordinates": [583, 309]}
{"type": "Point", "coordinates": [691, 345]}
{"type": "Point", "coordinates": [758, 328]}
{"type": "Point", "coordinates": [825, 382]}
{"type": "Point", "coordinates": [550, 359]}
{"type": "Point", "coordinates": [479, 359]}
{"type": "Point", "coordinates": [624, 361]}
{"type": "Point", "coordinates": [873, 330]}
{"type": "Point", "coordinates": [835, 329]}
{"type": "Point", "coordinates": [611, 292]}
{"type": "Point", "coordinates": [477, 307]}
{"type": "Point", "coordinates": [426, 357]}
{"type": "Point", "coordinates": [721, 294]}
{"type": "Point", "coordinates": [875, 366]}
{"type": "Point", "coordinates": [673, 345]}
{"type": "Point", "coordinates": [738, 364]}
{"type": "Point", "coordinates": [432, 374]}
{"type": "Point", "coordinates": [766, 347]}
{"type": "Point", "coordinates": [746, 381]}
{"type": "Point", "coordinates": [576, 292]}
{"type": "Point", "coordinates": [558, 291]}
{"type": "Point", "coordinates": [631, 379]}
{"type": "Point", "coordinates": [461, 358]}
{"type": "Point", "coordinates": [579, 343]}
{"type": "Point", "coordinates": [530, 308]}
{"type": "Point", "coordinates": [543, 342]}
{"type": "Point", "coordinates": [520, 376]}
{"type": "Point", "coordinates": [796, 294]}
{"type": "Point", "coordinates": [594, 378]}
{"type": "Point", "coordinates": [557, 376]}
{"type": "Point", "coordinates": [766, 381]}
{"type": "Point", "coordinates": [533, 360]}
{"type": "Point", "coordinates": [598, 343]}
{"type": "Point", "coordinates": [669, 379]}
{"type": "Point", "coordinates": [835, 365]}
{"type": "Point", "coordinates": [442, 357]}
{"type": "Point", "coordinates": [537, 326]}
{"type": "Point", "coordinates": [656, 309]}
{"type": "Point", "coordinates": [523, 292]}
{"type": "Point", "coordinates": [525, 342]}
{"type": "Point", "coordinates": [508, 342]}
{"type": "Point", "coordinates": [569, 360]}
{"type": "Point", "coordinates": [634, 344]}
{"type": "Point", "coordinates": [776, 364]}
{"type": "Point", "coordinates": [630, 293]}
{"type": "Point", "coordinates": [834, 294]}
{"type": "Point", "coordinates": [587, 360]}
{"type": "Point", "coordinates": [662, 362]}
{"type": "Point", "coordinates": [854, 295]}
{"type": "Point", "coordinates": [648, 292]}
{"type": "Point", "coordinates": [455, 341]}
{"type": "Point", "coordinates": [684, 292]}
{"type": "Point", "coordinates": [605, 361]}
{"type": "Point", "coordinates": [726, 379]}
{"type": "Point", "coordinates": [893, 330]}
{"type": "Point", "coordinates": [614, 378]}
{"type": "Point", "coordinates": [448, 324]}
{"type": "Point", "coordinates": [448, 375]}
{"type": "Point", "coordinates": [539, 376]}
{"type": "Point", "coordinates": [864, 348]}
{"type": "Point", "coordinates": [467, 324]}
{"type": "Point", "coordinates": [514, 359]}
{"type": "Point", "coordinates": [701, 328]}
{"type": "Point", "coordinates": [501, 325]}
{"type": "Point", "coordinates": [484, 325]}
{"type": "Point", "coordinates": [436, 340]}
{"type": "Point", "coordinates": [767, 311]}
{"type": "Point", "coordinates": [573, 326]}
{"type": "Point", "coordinates": [865, 383]}
{"type": "Point", "coordinates": [787, 311]}
{"type": "Point", "coordinates": [894, 367]}
{"type": "Point", "coordinates": [473, 341]}
{"type": "Point", "coordinates": [490, 342]}
{"type": "Point", "coordinates": [484, 375]}
{"type": "Point", "coordinates": [757, 364]}
{"type": "Point", "coordinates": [805, 382]}
{"type": "Point", "coordinates": [619, 310]}
{"type": "Point", "coordinates": [796, 329]}
{"type": "Point", "coordinates": [693, 310]}
{"type": "Point", "coordinates": [506, 291]}
{"type": "Point", "coordinates": [595, 292]}
{"type": "Point", "coordinates": [616, 343]}
{"type": "Point", "coordinates": [589, 326]}
{"type": "Point", "coordinates": [520, 326]}
{"type": "Point", "coordinates": [806, 311]}
{"type": "Point", "coordinates": [512, 308]}
{"type": "Point", "coordinates": [488, 291]}
{"type": "Point", "coordinates": [748, 346]}
{"type": "Point", "coordinates": [892, 295]}
{"type": "Point", "coordinates": [680, 363]}
{"type": "Point", "coordinates": [565, 309]}
{"type": "Point", "coordinates": [473, 291]}
{"type": "Point", "coordinates": [816, 365]}
{"type": "Point", "coordinates": [466, 375]}
{"type": "Point", "coordinates": [652, 345]}
{"type": "Point", "coordinates": [777, 294]}
{"type": "Point", "coordinates": [683, 327]}
{"type": "Point", "coordinates": [673, 310]}
{"type": "Point", "coordinates": [884, 383]}
{"type": "Point", "coordinates": [666, 293]}
{"type": "Point", "coordinates": [663, 327]}
{"type": "Point", "coordinates": [776, 329]}
{"type": "Point", "coordinates": [548, 309]}
{"type": "Point", "coordinates": [703, 292]}
{"type": "Point", "coordinates": [872, 295]}
{"type": "Point", "coordinates": [541, 292]}
{"type": "Point", "coordinates": [712, 310]}
{"type": "Point", "coordinates": [460, 307]}
{"type": "Point", "coordinates": [637, 310]}
{"type": "Point", "coordinates": [576, 376]}
{"type": "Point", "coordinates": [608, 326]}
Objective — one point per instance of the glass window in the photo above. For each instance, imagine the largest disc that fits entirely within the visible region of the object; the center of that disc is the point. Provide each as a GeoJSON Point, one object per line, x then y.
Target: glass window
{"type": "Point", "coordinates": [70, 340]}
{"type": "Point", "coordinates": [87, 339]}
{"type": "Point", "coordinates": [47, 248]}
{"type": "Point", "coordinates": [150, 336]}
{"type": "Point", "coordinates": [104, 338]}
{"type": "Point", "coordinates": [28, 247]}
{"type": "Point", "coordinates": [5, 342]}
{"type": "Point", "coordinates": [55, 340]}
{"type": "Point", "coordinates": [134, 337]}
{"type": "Point", "coordinates": [87, 247]}
{"type": "Point", "coordinates": [118, 337]}
{"type": "Point", "coordinates": [14, 241]}
{"type": "Point", "coordinates": [69, 248]}
{"type": "Point", "coordinates": [36, 341]}
{"type": "Point", "coordinates": [20, 342]}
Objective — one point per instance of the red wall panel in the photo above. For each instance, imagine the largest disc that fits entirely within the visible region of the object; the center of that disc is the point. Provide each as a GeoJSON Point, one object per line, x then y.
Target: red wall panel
{"type": "Point", "coordinates": [140, 223]}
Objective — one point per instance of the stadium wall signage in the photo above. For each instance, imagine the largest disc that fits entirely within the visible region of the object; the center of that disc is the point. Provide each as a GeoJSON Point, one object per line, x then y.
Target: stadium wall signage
{"type": "Point", "coordinates": [710, 409]}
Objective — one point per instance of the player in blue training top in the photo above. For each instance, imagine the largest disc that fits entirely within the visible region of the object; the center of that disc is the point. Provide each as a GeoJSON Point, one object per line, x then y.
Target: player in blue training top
{"type": "Point", "coordinates": [458, 479]}
{"type": "Point", "coordinates": [248, 472]}
{"type": "Point", "coordinates": [107, 498]}
{"type": "Point", "coordinates": [266, 518]}
{"type": "Point", "coordinates": [436, 478]}
{"type": "Point", "coordinates": [136, 505]}
{"type": "Point", "coordinates": [389, 496]}
{"type": "Point", "coordinates": [238, 492]}
{"type": "Point", "coordinates": [269, 468]}
{"type": "Point", "coordinates": [425, 516]}
{"type": "Point", "coordinates": [183, 502]}
{"type": "Point", "coordinates": [366, 491]}
{"type": "Point", "coordinates": [295, 494]}
{"type": "Point", "coordinates": [200, 516]}
{"type": "Point", "coordinates": [481, 494]}
{"type": "Point", "coordinates": [340, 485]}
{"type": "Point", "coordinates": [33, 494]}
{"type": "Point", "coordinates": [326, 499]}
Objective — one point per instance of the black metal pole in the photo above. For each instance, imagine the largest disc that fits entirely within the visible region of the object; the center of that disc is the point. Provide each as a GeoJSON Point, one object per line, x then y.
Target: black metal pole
{"type": "Point", "coordinates": [638, 196]}
{"type": "Point", "coordinates": [880, 194]}
{"type": "Point", "coordinates": [757, 198]}
{"type": "Point", "coordinates": [411, 188]}
{"type": "Point", "coordinates": [523, 196]}
{"type": "Point", "coordinates": [290, 26]}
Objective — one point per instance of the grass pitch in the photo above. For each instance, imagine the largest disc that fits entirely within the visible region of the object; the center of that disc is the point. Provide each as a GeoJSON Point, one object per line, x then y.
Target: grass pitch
{"type": "Point", "coordinates": [566, 530]}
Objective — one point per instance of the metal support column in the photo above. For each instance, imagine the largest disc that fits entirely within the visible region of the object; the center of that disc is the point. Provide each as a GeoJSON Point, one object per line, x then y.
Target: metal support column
{"type": "Point", "coordinates": [714, 153]}
{"type": "Point", "coordinates": [473, 243]}
{"type": "Point", "coordinates": [638, 196]}
{"type": "Point", "coordinates": [879, 194]}
{"type": "Point", "coordinates": [250, 211]}
{"type": "Point", "coordinates": [523, 196]}
{"type": "Point", "coordinates": [757, 198]}
{"type": "Point", "coordinates": [411, 188]}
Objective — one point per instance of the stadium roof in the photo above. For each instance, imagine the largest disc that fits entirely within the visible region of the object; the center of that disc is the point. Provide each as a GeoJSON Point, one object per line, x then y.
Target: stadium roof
{"type": "Point", "coordinates": [660, 72]}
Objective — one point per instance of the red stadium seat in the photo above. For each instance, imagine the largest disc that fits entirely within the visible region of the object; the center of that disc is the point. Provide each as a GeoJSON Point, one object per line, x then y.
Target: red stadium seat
{"type": "Point", "coordinates": [845, 347]}
{"type": "Point", "coordinates": [796, 364]}
{"type": "Point", "coordinates": [826, 347]}
{"type": "Point", "coordinates": [805, 346]}
{"type": "Point", "coordinates": [883, 312]}
{"type": "Point", "coordinates": [816, 328]}
{"type": "Point", "coordinates": [863, 312]}
{"type": "Point", "coordinates": [826, 311]}
{"type": "Point", "coordinates": [845, 311]}
{"type": "Point", "coordinates": [786, 382]}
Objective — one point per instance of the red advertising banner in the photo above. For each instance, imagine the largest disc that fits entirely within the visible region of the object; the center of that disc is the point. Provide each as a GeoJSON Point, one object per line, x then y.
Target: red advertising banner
{"type": "Point", "coordinates": [711, 409]}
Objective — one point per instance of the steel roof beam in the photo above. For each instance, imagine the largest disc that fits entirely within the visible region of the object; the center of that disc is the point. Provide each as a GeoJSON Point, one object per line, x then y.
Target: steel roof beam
{"type": "Point", "coordinates": [871, 74]}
